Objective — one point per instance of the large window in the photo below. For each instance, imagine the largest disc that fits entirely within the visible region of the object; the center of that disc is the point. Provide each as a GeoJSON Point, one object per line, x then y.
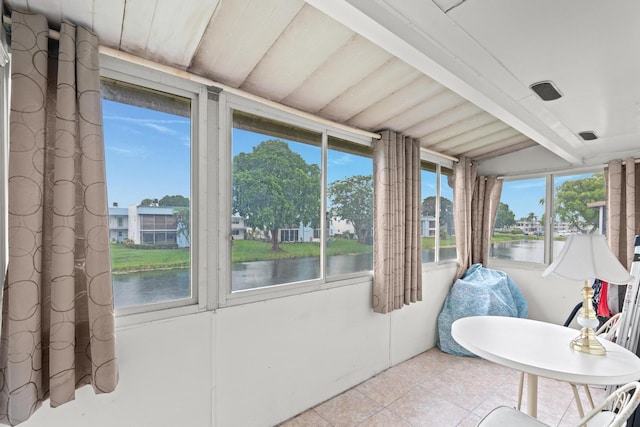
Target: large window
{"type": "Point", "coordinates": [438, 230]}
{"type": "Point", "coordinates": [276, 190]}
{"type": "Point", "coordinates": [349, 208]}
{"type": "Point", "coordinates": [524, 229]}
{"type": "Point", "coordinates": [519, 226]}
{"type": "Point", "coordinates": [148, 161]}
{"type": "Point", "coordinates": [282, 182]}
{"type": "Point", "coordinates": [578, 206]}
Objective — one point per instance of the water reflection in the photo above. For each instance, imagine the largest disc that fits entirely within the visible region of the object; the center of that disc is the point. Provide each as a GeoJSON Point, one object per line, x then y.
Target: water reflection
{"type": "Point", "coordinates": [148, 287]}
{"type": "Point", "coordinates": [169, 285]}
{"type": "Point", "coordinates": [256, 274]}
{"type": "Point", "coordinates": [522, 250]}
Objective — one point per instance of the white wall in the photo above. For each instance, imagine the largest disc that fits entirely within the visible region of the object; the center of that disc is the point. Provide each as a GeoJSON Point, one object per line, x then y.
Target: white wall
{"type": "Point", "coordinates": [255, 364]}
{"type": "Point", "coordinates": [550, 299]}
{"type": "Point", "coordinates": [262, 363]}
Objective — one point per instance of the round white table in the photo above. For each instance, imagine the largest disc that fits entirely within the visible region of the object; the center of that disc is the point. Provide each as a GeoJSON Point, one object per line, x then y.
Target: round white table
{"type": "Point", "coordinates": [542, 349]}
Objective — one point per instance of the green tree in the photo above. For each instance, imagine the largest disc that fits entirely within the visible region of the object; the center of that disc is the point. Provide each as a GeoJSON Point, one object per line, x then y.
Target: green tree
{"type": "Point", "coordinates": [352, 200]}
{"type": "Point", "coordinates": [174, 201]}
{"type": "Point", "coordinates": [572, 198]}
{"type": "Point", "coordinates": [147, 202]}
{"type": "Point", "coordinates": [504, 217]}
{"type": "Point", "coordinates": [274, 187]}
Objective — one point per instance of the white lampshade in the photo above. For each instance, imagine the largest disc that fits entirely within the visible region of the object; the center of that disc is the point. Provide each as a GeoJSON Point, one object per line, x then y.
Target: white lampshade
{"type": "Point", "coordinates": [586, 257]}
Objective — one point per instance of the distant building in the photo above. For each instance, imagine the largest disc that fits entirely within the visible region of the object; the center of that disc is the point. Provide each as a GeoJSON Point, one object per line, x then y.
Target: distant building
{"type": "Point", "coordinates": [150, 225]}
{"type": "Point", "coordinates": [118, 223]}
{"type": "Point", "coordinates": [238, 229]}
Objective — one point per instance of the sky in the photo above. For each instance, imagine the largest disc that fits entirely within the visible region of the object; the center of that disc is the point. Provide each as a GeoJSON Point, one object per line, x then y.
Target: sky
{"type": "Point", "coordinates": [147, 153]}
{"type": "Point", "coordinates": [523, 196]}
{"type": "Point", "coordinates": [148, 156]}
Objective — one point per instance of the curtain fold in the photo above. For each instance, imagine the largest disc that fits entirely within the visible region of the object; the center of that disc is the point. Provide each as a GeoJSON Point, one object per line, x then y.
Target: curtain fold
{"type": "Point", "coordinates": [476, 201]}
{"type": "Point", "coordinates": [397, 238]}
{"type": "Point", "coordinates": [57, 309]}
{"type": "Point", "coordinates": [623, 217]}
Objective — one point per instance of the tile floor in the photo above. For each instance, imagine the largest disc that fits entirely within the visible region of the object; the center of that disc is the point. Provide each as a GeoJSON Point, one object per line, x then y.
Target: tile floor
{"type": "Point", "coordinates": [440, 390]}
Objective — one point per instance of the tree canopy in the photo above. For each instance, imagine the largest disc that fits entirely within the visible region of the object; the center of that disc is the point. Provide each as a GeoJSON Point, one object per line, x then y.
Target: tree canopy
{"type": "Point", "coordinates": [504, 216]}
{"type": "Point", "coordinates": [352, 200]}
{"type": "Point", "coordinates": [572, 198]}
{"type": "Point", "coordinates": [174, 201]}
{"type": "Point", "coordinates": [273, 187]}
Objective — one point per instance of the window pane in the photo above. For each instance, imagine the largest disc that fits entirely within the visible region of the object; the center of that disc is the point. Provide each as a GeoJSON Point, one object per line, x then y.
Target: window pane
{"type": "Point", "coordinates": [519, 227]}
{"type": "Point", "coordinates": [148, 161]}
{"type": "Point", "coordinates": [276, 185]}
{"type": "Point", "coordinates": [349, 208]}
{"type": "Point", "coordinates": [447, 248]}
{"type": "Point", "coordinates": [579, 202]}
{"type": "Point", "coordinates": [428, 185]}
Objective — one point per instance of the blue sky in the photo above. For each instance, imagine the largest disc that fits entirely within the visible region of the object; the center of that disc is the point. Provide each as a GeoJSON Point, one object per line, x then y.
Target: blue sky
{"type": "Point", "coordinates": [147, 153]}
{"type": "Point", "coordinates": [148, 156]}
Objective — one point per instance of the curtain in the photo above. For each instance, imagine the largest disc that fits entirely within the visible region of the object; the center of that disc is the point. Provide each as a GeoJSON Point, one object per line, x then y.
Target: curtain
{"type": "Point", "coordinates": [57, 309]}
{"type": "Point", "coordinates": [397, 240]}
{"type": "Point", "coordinates": [476, 201]}
{"type": "Point", "coordinates": [623, 217]}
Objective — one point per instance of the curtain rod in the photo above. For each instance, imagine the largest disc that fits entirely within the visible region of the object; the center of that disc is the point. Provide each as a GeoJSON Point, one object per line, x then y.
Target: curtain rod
{"type": "Point", "coordinates": [114, 53]}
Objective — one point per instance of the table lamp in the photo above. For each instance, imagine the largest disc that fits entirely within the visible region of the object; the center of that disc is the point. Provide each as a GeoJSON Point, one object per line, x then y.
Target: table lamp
{"type": "Point", "coordinates": [587, 257]}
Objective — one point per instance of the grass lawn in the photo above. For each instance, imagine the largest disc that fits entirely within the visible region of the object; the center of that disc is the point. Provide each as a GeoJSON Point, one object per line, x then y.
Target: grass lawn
{"type": "Point", "coordinates": [251, 250]}
{"type": "Point", "coordinates": [125, 260]}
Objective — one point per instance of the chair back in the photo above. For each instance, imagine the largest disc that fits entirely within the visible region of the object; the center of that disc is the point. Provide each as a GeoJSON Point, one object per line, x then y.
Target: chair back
{"type": "Point", "coordinates": [616, 408]}
{"type": "Point", "coordinates": [609, 328]}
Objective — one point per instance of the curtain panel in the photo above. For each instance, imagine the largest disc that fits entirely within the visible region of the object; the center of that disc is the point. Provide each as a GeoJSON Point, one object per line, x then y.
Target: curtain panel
{"type": "Point", "coordinates": [57, 308]}
{"type": "Point", "coordinates": [476, 201]}
{"type": "Point", "coordinates": [623, 217]}
{"type": "Point", "coordinates": [397, 239]}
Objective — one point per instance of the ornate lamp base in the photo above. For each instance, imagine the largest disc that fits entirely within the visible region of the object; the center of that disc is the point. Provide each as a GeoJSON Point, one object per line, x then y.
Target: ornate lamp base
{"type": "Point", "coordinates": [587, 341]}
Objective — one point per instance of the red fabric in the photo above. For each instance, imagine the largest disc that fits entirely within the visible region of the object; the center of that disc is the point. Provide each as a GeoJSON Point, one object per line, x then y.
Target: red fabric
{"type": "Point", "coordinates": [603, 306]}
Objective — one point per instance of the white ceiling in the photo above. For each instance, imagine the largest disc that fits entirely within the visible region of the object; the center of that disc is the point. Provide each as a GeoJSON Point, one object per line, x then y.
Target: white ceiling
{"type": "Point", "coordinates": [459, 81]}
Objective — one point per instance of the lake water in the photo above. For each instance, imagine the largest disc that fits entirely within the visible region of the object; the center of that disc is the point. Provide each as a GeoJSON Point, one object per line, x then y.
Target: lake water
{"type": "Point", "coordinates": [170, 285]}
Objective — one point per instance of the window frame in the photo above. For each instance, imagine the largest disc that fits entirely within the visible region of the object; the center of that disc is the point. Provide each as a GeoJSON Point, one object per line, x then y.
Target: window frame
{"type": "Point", "coordinates": [127, 72]}
{"type": "Point", "coordinates": [549, 208]}
{"type": "Point", "coordinates": [229, 103]}
{"type": "Point", "coordinates": [438, 163]}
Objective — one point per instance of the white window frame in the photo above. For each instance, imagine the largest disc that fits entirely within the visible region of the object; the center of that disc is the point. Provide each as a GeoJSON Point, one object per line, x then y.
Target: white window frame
{"type": "Point", "coordinates": [548, 210]}
{"type": "Point", "coordinates": [229, 103]}
{"type": "Point", "coordinates": [203, 111]}
{"type": "Point", "coordinates": [439, 163]}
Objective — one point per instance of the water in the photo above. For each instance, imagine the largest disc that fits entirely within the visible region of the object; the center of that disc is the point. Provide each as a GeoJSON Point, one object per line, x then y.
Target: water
{"type": "Point", "coordinates": [150, 287]}
{"type": "Point", "coordinates": [169, 285]}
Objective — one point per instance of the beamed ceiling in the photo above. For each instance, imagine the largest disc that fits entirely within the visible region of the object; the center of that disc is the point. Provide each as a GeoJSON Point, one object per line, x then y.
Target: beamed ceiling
{"type": "Point", "coordinates": [453, 74]}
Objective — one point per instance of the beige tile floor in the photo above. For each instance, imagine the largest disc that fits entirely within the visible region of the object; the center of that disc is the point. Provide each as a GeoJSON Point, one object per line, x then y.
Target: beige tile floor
{"type": "Point", "coordinates": [440, 390]}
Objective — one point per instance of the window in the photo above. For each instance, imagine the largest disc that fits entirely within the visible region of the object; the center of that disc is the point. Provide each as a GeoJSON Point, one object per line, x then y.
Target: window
{"type": "Point", "coordinates": [438, 230]}
{"type": "Point", "coordinates": [276, 190]}
{"type": "Point", "coordinates": [577, 206]}
{"type": "Point", "coordinates": [148, 161]}
{"type": "Point", "coordinates": [349, 208]}
{"type": "Point", "coordinates": [447, 231]}
{"type": "Point", "coordinates": [519, 228]}
{"type": "Point", "coordinates": [284, 176]}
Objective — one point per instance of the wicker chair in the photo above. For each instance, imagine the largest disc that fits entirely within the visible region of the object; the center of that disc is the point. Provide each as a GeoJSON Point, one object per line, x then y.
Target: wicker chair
{"type": "Point", "coordinates": [612, 412]}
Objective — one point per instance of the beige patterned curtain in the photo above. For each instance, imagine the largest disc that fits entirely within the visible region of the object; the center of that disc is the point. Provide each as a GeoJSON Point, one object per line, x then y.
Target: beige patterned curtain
{"type": "Point", "coordinates": [476, 200]}
{"type": "Point", "coordinates": [57, 311]}
{"type": "Point", "coordinates": [623, 215]}
{"type": "Point", "coordinates": [397, 242]}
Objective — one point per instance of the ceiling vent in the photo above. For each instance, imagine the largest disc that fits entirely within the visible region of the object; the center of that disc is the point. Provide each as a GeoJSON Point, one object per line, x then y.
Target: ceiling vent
{"type": "Point", "coordinates": [546, 90]}
{"type": "Point", "coordinates": [588, 135]}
